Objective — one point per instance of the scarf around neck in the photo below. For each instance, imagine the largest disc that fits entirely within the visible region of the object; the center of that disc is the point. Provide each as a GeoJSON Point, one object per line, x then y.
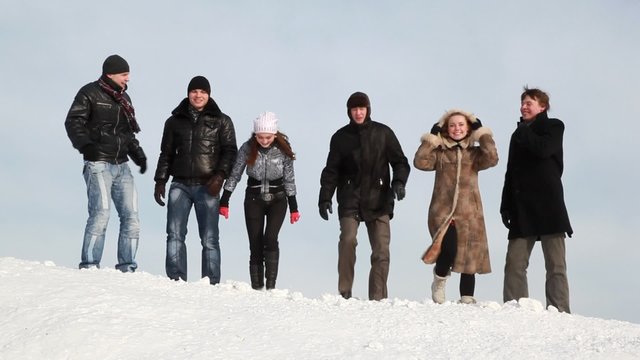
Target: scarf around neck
{"type": "Point", "coordinates": [129, 111]}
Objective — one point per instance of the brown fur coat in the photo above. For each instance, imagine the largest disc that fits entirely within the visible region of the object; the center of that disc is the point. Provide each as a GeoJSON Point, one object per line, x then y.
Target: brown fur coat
{"type": "Point", "coordinates": [456, 195]}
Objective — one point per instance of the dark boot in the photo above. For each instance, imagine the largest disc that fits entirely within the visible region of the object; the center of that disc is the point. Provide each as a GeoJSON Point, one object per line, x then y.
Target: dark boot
{"type": "Point", "coordinates": [271, 268]}
{"type": "Point", "coordinates": [256, 273]}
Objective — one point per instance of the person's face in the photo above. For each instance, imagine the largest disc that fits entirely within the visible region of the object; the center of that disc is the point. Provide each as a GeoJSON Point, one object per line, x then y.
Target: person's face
{"type": "Point", "coordinates": [120, 79]}
{"type": "Point", "coordinates": [457, 127]}
{"type": "Point", "coordinates": [265, 139]}
{"type": "Point", "coordinates": [358, 114]}
{"type": "Point", "coordinates": [529, 108]}
{"type": "Point", "coordinates": [198, 98]}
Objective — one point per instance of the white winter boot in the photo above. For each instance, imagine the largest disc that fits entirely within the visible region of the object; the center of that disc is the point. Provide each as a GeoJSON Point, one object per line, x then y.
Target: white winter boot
{"type": "Point", "coordinates": [437, 288]}
{"type": "Point", "coordinates": [467, 299]}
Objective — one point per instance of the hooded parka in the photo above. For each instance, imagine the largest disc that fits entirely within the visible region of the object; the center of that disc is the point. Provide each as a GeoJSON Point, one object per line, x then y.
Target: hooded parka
{"type": "Point", "coordinates": [456, 195]}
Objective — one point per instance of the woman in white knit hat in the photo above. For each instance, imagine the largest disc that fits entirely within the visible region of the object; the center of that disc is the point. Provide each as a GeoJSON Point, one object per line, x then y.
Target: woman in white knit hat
{"type": "Point", "coordinates": [268, 159]}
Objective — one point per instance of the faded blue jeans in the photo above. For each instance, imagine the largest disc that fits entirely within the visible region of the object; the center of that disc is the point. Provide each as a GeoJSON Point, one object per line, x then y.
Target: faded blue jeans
{"type": "Point", "coordinates": [108, 182]}
{"type": "Point", "coordinates": [181, 198]}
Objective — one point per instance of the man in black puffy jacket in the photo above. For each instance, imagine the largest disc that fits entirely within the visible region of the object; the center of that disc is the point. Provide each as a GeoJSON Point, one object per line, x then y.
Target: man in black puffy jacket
{"type": "Point", "coordinates": [101, 124]}
{"type": "Point", "coordinates": [198, 150]}
{"type": "Point", "coordinates": [360, 155]}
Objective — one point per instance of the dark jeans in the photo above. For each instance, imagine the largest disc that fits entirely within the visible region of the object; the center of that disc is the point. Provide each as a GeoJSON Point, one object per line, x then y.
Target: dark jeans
{"type": "Point", "coordinates": [448, 256]}
{"type": "Point", "coordinates": [181, 199]}
{"type": "Point", "coordinates": [263, 238]}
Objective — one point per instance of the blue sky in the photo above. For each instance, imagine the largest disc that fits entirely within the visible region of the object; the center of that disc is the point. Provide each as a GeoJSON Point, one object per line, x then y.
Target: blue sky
{"type": "Point", "coordinates": [302, 60]}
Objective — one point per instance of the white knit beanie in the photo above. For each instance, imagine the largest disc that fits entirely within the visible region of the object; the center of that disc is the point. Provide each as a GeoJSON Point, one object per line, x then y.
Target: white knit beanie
{"type": "Point", "coordinates": [266, 122]}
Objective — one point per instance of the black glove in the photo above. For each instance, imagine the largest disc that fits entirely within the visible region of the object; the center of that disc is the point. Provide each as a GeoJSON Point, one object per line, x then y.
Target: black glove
{"type": "Point", "coordinates": [224, 199]}
{"type": "Point", "coordinates": [436, 129]}
{"type": "Point", "coordinates": [506, 220]}
{"type": "Point", "coordinates": [215, 184]}
{"type": "Point", "coordinates": [89, 150]}
{"type": "Point", "coordinates": [158, 193]}
{"type": "Point", "coordinates": [143, 166]}
{"type": "Point", "coordinates": [325, 209]}
{"type": "Point", "coordinates": [139, 158]}
{"type": "Point", "coordinates": [476, 125]}
{"type": "Point", "coordinates": [398, 190]}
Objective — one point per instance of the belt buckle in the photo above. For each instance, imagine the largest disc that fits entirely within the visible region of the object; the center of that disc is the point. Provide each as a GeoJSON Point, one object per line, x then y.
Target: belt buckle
{"type": "Point", "coordinates": [267, 196]}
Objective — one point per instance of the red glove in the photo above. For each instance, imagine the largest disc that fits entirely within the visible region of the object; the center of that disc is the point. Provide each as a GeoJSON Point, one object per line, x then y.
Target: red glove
{"type": "Point", "coordinates": [224, 211]}
{"type": "Point", "coordinates": [295, 216]}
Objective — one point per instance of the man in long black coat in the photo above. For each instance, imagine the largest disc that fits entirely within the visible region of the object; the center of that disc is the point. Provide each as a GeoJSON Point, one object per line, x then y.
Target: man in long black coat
{"type": "Point", "coordinates": [533, 207]}
{"type": "Point", "coordinates": [360, 155]}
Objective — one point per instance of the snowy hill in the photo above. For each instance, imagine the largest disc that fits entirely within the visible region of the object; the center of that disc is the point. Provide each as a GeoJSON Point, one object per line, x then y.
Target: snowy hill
{"type": "Point", "coordinates": [51, 312]}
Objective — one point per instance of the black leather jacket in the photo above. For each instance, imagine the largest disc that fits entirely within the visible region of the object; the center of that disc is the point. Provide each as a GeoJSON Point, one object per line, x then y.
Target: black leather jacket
{"type": "Point", "coordinates": [194, 150]}
{"type": "Point", "coordinates": [96, 118]}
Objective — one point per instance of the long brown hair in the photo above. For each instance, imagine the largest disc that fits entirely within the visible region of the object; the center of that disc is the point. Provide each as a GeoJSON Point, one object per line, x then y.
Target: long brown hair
{"type": "Point", "coordinates": [281, 141]}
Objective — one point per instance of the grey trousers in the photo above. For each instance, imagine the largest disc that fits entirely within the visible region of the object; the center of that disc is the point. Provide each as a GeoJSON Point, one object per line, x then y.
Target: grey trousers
{"type": "Point", "coordinates": [379, 238]}
{"type": "Point", "coordinates": [515, 270]}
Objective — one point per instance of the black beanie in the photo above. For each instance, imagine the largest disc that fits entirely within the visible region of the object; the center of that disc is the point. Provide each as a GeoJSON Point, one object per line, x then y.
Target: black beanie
{"type": "Point", "coordinates": [358, 99]}
{"type": "Point", "coordinates": [199, 82]}
{"type": "Point", "coordinates": [114, 64]}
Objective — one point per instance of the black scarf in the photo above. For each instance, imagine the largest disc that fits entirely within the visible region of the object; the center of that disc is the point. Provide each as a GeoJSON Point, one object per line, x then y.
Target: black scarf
{"type": "Point", "coordinates": [129, 112]}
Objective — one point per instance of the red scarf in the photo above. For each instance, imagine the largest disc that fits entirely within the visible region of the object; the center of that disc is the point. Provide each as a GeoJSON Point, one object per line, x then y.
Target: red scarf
{"type": "Point", "coordinates": [129, 112]}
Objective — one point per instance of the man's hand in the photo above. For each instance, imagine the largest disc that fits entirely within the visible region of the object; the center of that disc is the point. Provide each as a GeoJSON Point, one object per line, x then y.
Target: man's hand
{"type": "Point", "coordinates": [214, 185]}
{"type": "Point", "coordinates": [506, 219]}
{"type": "Point", "coordinates": [158, 193]}
{"type": "Point", "coordinates": [398, 190]}
{"type": "Point", "coordinates": [325, 209]}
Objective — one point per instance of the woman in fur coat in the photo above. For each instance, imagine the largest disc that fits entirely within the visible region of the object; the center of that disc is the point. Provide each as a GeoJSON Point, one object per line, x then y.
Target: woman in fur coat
{"type": "Point", "coordinates": [456, 219]}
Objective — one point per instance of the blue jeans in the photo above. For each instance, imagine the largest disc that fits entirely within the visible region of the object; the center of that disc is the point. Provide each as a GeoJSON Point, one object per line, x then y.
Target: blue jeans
{"type": "Point", "coordinates": [181, 198]}
{"type": "Point", "coordinates": [107, 182]}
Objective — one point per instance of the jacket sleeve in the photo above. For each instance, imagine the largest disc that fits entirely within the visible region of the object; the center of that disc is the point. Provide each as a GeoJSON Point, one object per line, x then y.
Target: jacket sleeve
{"type": "Point", "coordinates": [228, 147]}
{"type": "Point", "coordinates": [487, 156]}
{"type": "Point", "coordinates": [167, 152]}
{"type": "Point", "coordinates": [238, 168]}
{"type": "Point", "coordinates": [426, 156]}
{"type": "Point", "coordinates": [76, 122]}
{"type": "Point", "coordinates": [330, 174]}
{"type": "Point", "coordinates": [398, 161]}
{"type": "Point", "coordinates": [544, 143]}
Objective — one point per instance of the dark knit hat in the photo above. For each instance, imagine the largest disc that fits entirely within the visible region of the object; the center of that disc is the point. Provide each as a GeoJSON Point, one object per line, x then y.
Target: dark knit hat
{"type": "Point", "coordinates": [199, 82]}
{"type": "Point", "coordinates": [358, 99]}
{"type": "Point", "coordinates": [115, 64]}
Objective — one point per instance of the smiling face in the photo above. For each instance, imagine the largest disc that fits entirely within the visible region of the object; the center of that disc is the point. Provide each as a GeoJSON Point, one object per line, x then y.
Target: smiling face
{"type": "Point", "coordinates": [265, 139]}
{"type": "Point", "coordinates": [457, 127]}
{"type": "Point", "coordinates": [530, 108]}
{"type": "Point", "coordinates": [198, 98]}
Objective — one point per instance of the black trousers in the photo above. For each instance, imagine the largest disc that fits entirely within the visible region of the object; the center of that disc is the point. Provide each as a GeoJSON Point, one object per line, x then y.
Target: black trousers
{"type": "Point", "coordinates": [263, 220]}
{"type": "Point", "coordinates": [448, 256]}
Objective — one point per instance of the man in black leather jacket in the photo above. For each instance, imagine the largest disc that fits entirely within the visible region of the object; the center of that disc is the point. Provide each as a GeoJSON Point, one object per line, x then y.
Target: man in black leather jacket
{"type": "Point", "coordinates": [101, 124]}
{"type": "Point", "coordinates": [198, 150]}
{"type": "Point", "coordinates": [360, 155]}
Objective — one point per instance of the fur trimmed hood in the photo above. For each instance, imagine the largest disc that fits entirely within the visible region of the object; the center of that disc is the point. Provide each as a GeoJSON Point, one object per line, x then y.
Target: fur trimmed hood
{"type": "Point", "coordinates": [472, 138]}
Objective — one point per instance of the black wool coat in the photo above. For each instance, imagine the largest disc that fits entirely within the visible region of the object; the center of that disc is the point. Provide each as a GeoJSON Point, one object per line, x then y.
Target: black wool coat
{"type": "Point", "coordinates": [533, 195]}
{"type": "Point", "coordinates": [193, 151]}
{"type": "Point", "coordinates": [358, 166]}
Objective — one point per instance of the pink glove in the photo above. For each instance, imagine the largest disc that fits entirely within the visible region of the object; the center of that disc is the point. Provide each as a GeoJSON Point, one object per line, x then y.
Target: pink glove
{"type": "Point", "coordinates": [295, 216]}
{"type": "Point", "coordinates": [224, 211]}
